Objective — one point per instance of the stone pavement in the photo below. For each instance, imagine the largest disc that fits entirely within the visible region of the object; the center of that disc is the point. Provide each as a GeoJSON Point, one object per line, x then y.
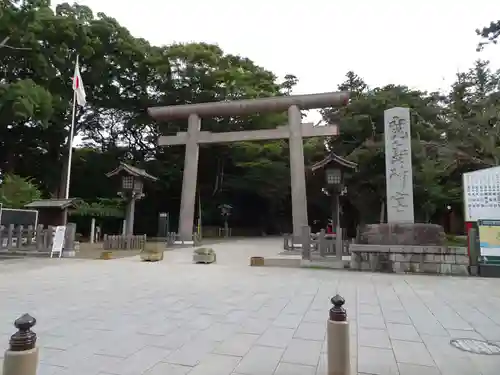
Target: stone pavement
{"type": "Point", "coordinates": [125, 317]}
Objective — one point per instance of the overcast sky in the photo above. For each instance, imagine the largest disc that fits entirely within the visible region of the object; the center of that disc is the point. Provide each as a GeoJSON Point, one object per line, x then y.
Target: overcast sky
{"type": "Point", "coordinates": [418, 43]}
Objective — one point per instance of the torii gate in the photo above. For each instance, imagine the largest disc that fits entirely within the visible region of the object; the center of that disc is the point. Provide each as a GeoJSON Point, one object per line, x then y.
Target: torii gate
{"type": "Point", "coordinates": [295, 131]}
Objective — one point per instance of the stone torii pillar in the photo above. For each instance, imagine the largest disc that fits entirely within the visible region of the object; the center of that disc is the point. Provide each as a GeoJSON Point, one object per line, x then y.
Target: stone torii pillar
{"type": "Point", "coordinates": [295, 131]}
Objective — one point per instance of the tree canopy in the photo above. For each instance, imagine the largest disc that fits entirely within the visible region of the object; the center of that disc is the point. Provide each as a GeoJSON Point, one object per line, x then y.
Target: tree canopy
{"type": "Point", "coordinates": [16, 191]}
{"type": "Point", "coordinates": [452, 131]}
{"type": "Point", "coordinates": [489, 34]}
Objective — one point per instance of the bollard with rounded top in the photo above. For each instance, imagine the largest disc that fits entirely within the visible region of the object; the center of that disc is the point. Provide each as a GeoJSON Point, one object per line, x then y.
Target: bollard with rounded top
{"type": "Point", "coordinates": [22, 356]}
{"type": "Point", "coordinates": [338, 339]}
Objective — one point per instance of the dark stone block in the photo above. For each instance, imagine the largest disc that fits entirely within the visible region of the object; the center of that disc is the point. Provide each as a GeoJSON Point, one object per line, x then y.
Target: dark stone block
{"type": "Point", "coordinates": [489, 270]}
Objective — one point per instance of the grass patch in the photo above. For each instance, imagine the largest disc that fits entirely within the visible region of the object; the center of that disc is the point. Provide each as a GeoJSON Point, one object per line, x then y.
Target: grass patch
{"type": "Point", "coordinates": [456, 241]}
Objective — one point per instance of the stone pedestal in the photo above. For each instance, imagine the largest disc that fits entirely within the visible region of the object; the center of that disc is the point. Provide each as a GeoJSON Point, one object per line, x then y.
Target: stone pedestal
{"type": "Point", "coordinates": [418, 234]}
{"type": "Point", "coordinates": [151, 256]}
{"type": "Point", "coordinates": [106, 255]}
{"type": "Point", "coordinates": [338, 348]}
{"type": "Point", "coordinates": [257, 261]}
{"type": "Point", "coordinates": [489, 270]}
{"type": "Point", "coordinates": [204, 255]}
{"type": "Point", "coordinates": [20, 363]}
{"type": "Point", "coordinates": [407, 248]}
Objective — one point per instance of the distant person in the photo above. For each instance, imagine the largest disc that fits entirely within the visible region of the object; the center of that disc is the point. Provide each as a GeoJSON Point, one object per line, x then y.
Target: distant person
{"type": "Point", "coordinates": [329, 227]}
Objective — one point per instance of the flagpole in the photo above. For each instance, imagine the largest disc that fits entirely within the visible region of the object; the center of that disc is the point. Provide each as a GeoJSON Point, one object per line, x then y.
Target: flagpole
{"type": "Point", "coordinates": [70, 142]}
{"type": "Point", "coordinates": [199, 214]}
{"type": "Point", "coordinates": [70, 149]}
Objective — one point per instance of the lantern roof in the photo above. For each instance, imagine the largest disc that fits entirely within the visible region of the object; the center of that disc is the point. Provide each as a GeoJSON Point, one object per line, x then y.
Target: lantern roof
{"type": "Point", "coordinates": [333, 158]}
{"type": "Point", "coordinates": [132, 171]}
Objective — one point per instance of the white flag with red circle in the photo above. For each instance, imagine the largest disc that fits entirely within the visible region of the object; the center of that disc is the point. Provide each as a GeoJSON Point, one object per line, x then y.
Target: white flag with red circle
{"type": "Point", "coordinates": [78, 86]}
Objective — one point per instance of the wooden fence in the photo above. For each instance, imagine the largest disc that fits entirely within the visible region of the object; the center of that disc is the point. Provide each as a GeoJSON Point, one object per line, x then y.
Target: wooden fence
{"type": "Point", "coordinates": [124, 242]}
{"type": "Point", "coordinates": [175, 239]}
{"type": "Point", "coordinates": [39, 239]}
{"type": "Point", "coordinates": [321, 244]}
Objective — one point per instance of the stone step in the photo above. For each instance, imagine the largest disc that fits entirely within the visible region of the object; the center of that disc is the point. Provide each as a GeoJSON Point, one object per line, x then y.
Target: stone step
{"type": "Point", "coordinates": [23, 254]}
{"type": "Point", "coordinates": [283, 261]}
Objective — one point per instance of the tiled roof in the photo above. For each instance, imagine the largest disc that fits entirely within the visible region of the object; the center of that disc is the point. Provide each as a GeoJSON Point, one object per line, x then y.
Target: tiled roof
{"type": "Point", "coordinates": [51, 203]}
{"type": "Point", "coordinates": [332, 157]}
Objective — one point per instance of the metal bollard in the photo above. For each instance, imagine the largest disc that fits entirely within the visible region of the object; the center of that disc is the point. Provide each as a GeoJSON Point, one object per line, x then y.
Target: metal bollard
{"type": "Point", "coordinates": [22, 356]}
{"type": "Point", "coordinates": [337, 333]}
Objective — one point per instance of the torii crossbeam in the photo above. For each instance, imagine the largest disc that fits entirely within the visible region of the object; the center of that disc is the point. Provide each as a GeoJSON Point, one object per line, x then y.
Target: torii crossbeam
{"type": "Point", "coordinates": [295, 131]}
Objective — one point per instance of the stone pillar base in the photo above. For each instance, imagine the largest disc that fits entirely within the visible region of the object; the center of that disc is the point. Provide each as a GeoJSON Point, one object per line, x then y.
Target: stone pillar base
{"type": "Point", "coordinates": [20, 363]}
{"type": "Point", "coordinates": [339, 362]}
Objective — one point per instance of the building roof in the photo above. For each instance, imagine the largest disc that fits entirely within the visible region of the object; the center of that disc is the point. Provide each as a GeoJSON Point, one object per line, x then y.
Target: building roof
{"type": "Point", "coordinates": [52, 203]}
{"type": "Point", "coordinates": [131, 170]}
{"type": "Point", "coordinates": [332, 157]}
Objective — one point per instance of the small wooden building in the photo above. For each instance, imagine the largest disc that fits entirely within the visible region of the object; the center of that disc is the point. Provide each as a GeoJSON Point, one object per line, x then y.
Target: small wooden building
{"type": "Point", "coordinates": [52, 211]}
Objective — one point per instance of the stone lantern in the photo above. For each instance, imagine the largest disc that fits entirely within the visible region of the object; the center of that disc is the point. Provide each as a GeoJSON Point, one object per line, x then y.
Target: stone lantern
{"type": "Point", "coordinates": [225, 212]}
{"type": "Point", "coordinates": [334, 185]}
{"type": "Point", "coordinates": [131, 189]}
{"type": "Point", "coordinates": [334, 167]}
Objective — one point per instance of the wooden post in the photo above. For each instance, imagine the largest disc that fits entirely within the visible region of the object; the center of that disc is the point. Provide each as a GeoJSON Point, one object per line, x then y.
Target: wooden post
{"type": "Point", "coordinates": [39, 237]}
{"type": "Point", "coordinates": [339, 362]}
{"type": "Point", "coordinates": [339, 243]}
{"type": "Point", "coordinates": [21, 358]}
{"type": "Point", "coordinates": [49, 237]}
{"type": "Point", "coordinates": [306, 242]}
{"type": "Point", "coordinates": [474, 252]}
{"type": "Point", "coordinates": [19, 236]}
{"type": "Point", "coordinates": [323, 245]}
{"type": "Point", "coordinates": [29, 239]}
{"type": "Point", "coordinates": [92, 230]}
{"type": "Point", "coordinates": [10, 235]}
{"type": "Point", "coordinates": [69, 240]}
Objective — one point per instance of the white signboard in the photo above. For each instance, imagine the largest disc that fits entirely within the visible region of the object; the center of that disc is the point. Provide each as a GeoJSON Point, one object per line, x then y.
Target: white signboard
{"type": "Point", "coordinates": [482, 194]}
{"type": "Point", "coordinates": [58, 240]}
{"type": "Point", "coordinates": [398, 167]}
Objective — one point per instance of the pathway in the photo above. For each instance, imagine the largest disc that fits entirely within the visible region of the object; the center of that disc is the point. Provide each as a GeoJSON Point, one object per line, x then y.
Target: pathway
{"type": "Point", "coordinates": [125, 317]}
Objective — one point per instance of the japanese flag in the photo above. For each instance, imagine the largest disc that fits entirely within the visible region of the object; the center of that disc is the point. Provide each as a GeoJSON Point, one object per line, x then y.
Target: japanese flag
{"type": "Point", "coordinates": [78, 86]}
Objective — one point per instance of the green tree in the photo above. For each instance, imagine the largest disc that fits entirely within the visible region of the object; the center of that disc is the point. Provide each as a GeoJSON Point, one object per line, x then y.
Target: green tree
{"type": "Point", "coordinates": [362, 140]}
{"type": "Point", "coordinates": [17, 191]}
{"type": "Point", "coordinates": [114, 67]}
{"type": "Point", "coordinates": [472, 117]}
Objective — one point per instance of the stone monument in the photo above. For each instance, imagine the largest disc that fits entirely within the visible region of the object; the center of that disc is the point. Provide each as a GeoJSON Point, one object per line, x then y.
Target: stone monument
{"type": "Point", "coordinates": [398, 166]}
{"type": "Point", "coordinates": [295, 131]}
{"type": "Point", "coordinates": [400, 228]}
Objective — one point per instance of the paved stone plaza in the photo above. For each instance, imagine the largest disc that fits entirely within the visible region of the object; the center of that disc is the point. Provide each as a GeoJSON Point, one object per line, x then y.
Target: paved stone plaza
{"type": "Point", "coordinates": [173, 317]}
